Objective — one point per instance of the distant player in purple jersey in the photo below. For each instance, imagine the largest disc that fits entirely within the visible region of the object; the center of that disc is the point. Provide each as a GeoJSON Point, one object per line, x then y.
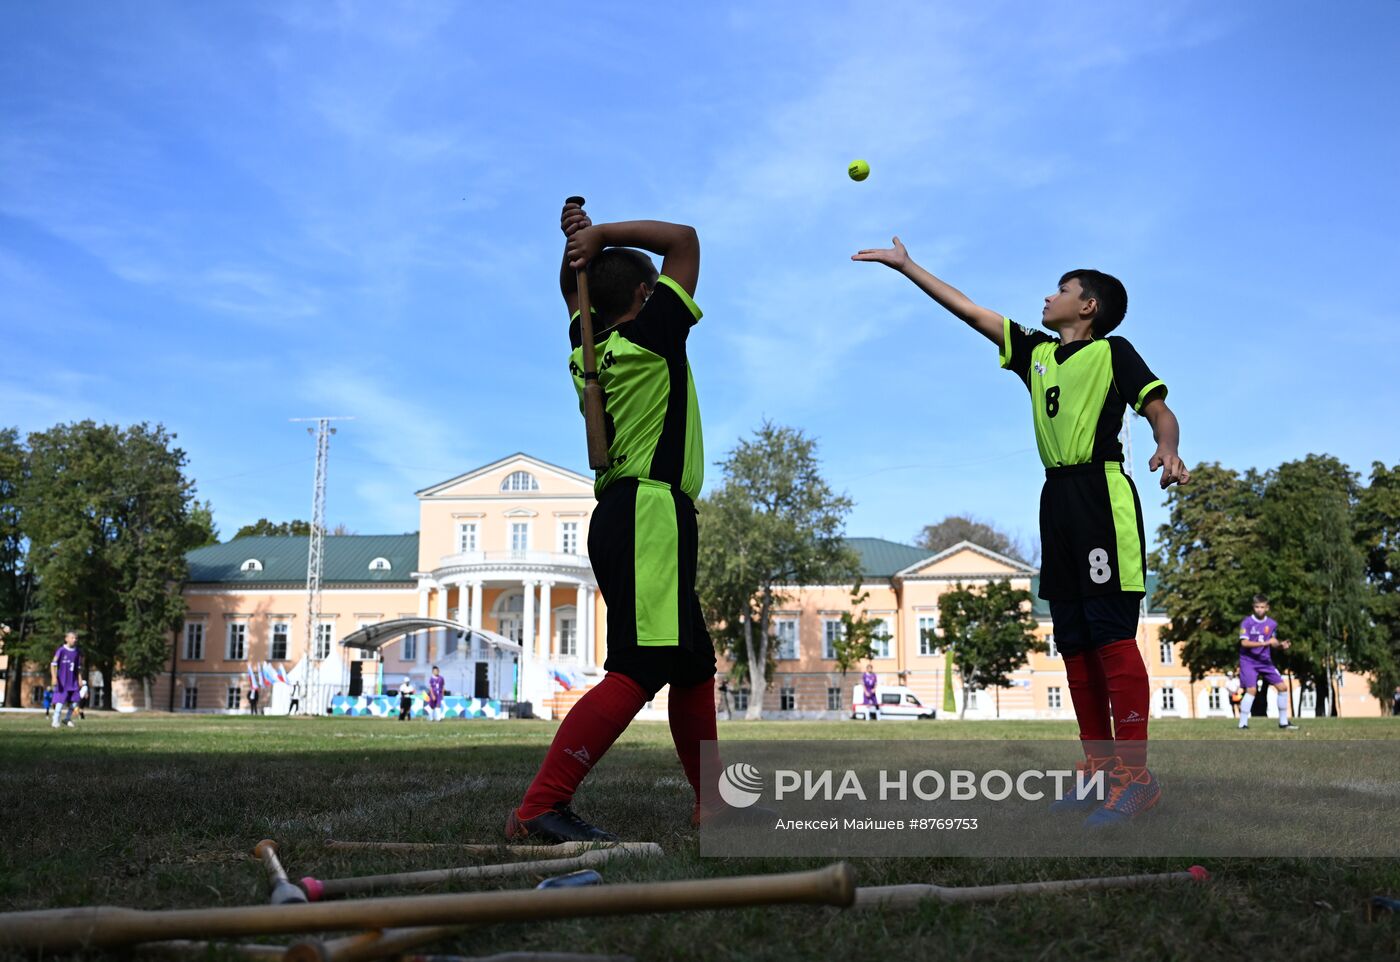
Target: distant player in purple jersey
{"type": "Point", "coordinates": [65, 673]}
{"type": "Point", "coordinates": [435, 686]}
{"type": "Point", "coordinates": [868, 680]}
{"type": "Point", "coordinates": [1258, 639]}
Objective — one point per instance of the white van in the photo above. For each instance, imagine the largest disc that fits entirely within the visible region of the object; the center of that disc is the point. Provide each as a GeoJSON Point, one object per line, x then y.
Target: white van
{"type": "Point", "coordinates": [895, 702]}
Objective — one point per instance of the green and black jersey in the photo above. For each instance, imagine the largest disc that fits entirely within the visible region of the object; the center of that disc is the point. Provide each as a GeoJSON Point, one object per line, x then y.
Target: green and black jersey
{"type": "Point", "coordinates": [1078, 391]}
{"type": "Point", "coordinates": [653, 417]}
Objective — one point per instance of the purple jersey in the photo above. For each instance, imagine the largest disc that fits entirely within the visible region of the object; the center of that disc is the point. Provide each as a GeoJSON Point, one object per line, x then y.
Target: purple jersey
{"type": "Point", "coordinates": [435, 686]}
{"type": "Point", "coordinates": [1258, 629]}
{"type": "Point", "coordinates": [868, 680]}
{"type": "Point", "coordinates": [69, 662]}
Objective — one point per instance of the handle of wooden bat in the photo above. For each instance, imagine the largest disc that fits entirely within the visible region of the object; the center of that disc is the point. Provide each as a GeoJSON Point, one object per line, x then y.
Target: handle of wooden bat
{"type": "Point", "coordinates": [283, 891]}
{"type": "Point", "coordinates": [104, 926]}
{"type": "Point", "coordinates": [370, 946]}
{"type": "Point", "coordinates": [594, 415]}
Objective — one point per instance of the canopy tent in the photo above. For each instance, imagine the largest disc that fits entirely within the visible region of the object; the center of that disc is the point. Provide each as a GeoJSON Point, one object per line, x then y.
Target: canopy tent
{"type": "Point", "coordinates": [374, 637]}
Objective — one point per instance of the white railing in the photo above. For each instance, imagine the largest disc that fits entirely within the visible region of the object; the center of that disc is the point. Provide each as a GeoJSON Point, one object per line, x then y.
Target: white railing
{"type": "Point", "coordinates": [505, 558]}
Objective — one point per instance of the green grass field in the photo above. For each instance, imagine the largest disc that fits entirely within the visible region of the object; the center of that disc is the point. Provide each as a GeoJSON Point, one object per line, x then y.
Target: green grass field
{"type": "Point", "coordinates": [155, 811]}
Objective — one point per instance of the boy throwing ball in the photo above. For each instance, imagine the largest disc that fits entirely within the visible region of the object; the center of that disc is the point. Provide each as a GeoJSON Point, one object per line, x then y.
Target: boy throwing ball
{"type": "Point", "coordinates": [642, 539]}
{"type": "Point", "coordinates": [1092, 572]}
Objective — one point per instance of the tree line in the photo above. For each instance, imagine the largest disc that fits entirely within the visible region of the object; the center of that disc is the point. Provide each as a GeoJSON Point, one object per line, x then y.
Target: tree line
{"type": "Point", "coordinates": [1308, 534]}
{"type": "Point", "coordinates": [95, 520]}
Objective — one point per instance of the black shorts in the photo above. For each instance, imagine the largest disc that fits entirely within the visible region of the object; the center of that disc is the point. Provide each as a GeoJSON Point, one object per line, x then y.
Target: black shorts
{"type": "Point", "coordinates": [1091, 538]}
{"type": "Point", "coordinates": [643, 543]}
{"type": "Point", "coordinates": [1091, 623]}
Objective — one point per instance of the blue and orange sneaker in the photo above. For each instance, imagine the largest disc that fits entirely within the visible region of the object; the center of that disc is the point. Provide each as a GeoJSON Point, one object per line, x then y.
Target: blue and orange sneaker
{"type": "Point", "coordinates": [1076, 800]}
{"type": "Point", "coordinates": [1131, 791]}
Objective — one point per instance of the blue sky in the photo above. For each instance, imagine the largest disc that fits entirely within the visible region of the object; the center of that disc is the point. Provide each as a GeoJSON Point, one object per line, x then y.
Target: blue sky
{"type": "Point", "coordinates": [224, 215]}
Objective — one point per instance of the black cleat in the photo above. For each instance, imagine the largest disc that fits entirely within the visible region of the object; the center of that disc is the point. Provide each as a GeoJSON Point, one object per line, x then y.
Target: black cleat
{"type": "Point", "coordinates": [560, 824]}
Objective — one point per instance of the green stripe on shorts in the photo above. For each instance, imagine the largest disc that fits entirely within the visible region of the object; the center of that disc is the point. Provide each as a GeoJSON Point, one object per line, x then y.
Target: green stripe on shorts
{"type": "Point", "coordinates": [1125, 529]}
{"type": "Point", "coordinates": [656, 565]}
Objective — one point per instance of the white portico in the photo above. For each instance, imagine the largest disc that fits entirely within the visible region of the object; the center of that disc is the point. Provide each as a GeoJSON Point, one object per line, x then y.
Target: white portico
{"type": "Point", "coordinates": [503, 548]}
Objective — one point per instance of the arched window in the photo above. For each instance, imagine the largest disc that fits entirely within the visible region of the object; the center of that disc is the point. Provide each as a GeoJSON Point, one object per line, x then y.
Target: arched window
{"type": "Point", "coordinates": [252, 564]}
{"type": "Point", "coordinates": [520, 481]}
{"type": "Point", "coordinates": [380, 564]}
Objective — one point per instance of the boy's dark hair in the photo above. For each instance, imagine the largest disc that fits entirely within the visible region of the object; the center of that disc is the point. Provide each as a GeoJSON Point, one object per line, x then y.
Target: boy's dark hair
{"type": "Point", "coordinates": [1261, 600]}
{"type": "Point", "coordinates": [613, 277]}
{"type": "Point", "coordinates": [1108, 291]}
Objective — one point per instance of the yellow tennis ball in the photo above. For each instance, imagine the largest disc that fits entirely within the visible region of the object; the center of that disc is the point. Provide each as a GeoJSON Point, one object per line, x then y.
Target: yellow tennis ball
{"type": "Point", "coordinates": [859, 170]}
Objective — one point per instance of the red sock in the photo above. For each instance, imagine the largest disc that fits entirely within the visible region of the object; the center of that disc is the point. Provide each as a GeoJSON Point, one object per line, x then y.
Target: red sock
{"type": "Point", "coordinates": [587, 732]}
{"type": "Point", "coordinates": [1088, 691]}
{"type": "Point", "coordinates": [692, 715]}
{"type": "Point", "coordinates": [1129, 692]}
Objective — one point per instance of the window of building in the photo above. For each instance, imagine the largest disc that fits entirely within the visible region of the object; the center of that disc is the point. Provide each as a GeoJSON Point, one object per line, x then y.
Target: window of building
{"type": "Point", "coordinates": [1307, 701]}
{"type": "Point", "coordinates": [190, 699]}
{"type": "Point", "coordinates": [1215, 701]}
{"type": "Point", "coordinates": [1168, 699]}
{"type": "Point", "coordinates": [252, 564]}
{"type": "Point", "coordinates": [1056, 701]}
{"type": "Point", "coordinates": [928, 634]}
{"type": "Point", "coordinates": [325, 632]}
{"type": "Point", "coordinates": [410, 647]}
{"type": "Point", "coordinates": [568, 636]}
{"type": "Point", "coordinates": [380, 564]}
{"type": "Point", "coordinates": [1054, 650]}
{"type": "Point", "coordinates": [884, 635]}
{"type": "Point", "coordinates": [194, 641]}
{"type": "Point", "coordinates": [787, 698]}
{"type": "Point", "coordinates": [281, 631]}
{"type": "Point", "coordinates": [972, 701]}
{"type": "Point", "coordinates": [1165, 649]}
{"type": "Point", "coordinates": [234, 697]}
{"type": "Point", "coordinates": [741, 699]}
{"type": "Point", "coordinates": [568, 537]}
{"type": "Point", "coordinates": [832, 631]}
{"type": "Point", "coordinates": [237, 641]}
{"type": "Point", "coordinates": [466, 536]}
{"type": "Point", "coordinates": [785, 631]}
{"type": "Point", "coordinates": [519, 537]}
{"type": "Point", "coordinates": [833, 698]}
{"type": "Point", "coordinates": [520, 481]}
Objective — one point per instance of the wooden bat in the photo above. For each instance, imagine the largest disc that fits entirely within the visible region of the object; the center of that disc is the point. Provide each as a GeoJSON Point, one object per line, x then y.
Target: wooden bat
{"type": "Point", "coordinates": [369, 946]}
{"type": "Point", "coordinates": [556, 850]}
{"type": "Point", "coordinates": [283, 891]}
{"type": "Point", "coordinates": [184, 949]}
{"type": "Point", "coordinates": [320, 890]}
{"type": "Point", "coordinates": [907, 896]}
{"type": "Point", "coordinates": [594, 423]}
{"type": "Point", "coordinates": [94, 927]}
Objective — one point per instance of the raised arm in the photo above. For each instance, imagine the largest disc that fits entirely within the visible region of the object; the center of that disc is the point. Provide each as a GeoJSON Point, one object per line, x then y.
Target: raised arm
{"type": "Point", "coordinates": [1167, 431]}
{"type": "Point", "coordinates": [984, 321]}
{"type": "Point", "coordinates": [678, 246]}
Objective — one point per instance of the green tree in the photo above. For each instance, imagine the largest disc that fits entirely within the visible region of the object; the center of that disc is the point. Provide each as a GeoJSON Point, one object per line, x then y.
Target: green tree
{"type": "Point", "coordinates": [110, 515]}
{"type": "Point", "coordinates": [989, 632]}
{"type": "Point", "coordinates": [1378, 533]}
{"type": "Point", "coordinates": [203, 531]}
{"type": "Point", "coordinates": [859, 632]}
{"type": "Point", "coordinates": [1208, 562]}
{"type": "Point", "coordinates": [1314, 573]}
{"type": "Point", "coordinates": [774, 522]}
{"type": "Point", "coordinates": [16, 580]}
{"type": "Point", "coordinates": [958, 527]}
{"type": "Point", "coordinates": [265, 528]}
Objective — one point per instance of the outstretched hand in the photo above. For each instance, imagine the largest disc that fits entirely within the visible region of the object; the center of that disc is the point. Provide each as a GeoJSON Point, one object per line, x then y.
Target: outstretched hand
{"type": "Point", "coordinates": [896, 256]}
{"type": "Point", "coordinates": [1174, 471]}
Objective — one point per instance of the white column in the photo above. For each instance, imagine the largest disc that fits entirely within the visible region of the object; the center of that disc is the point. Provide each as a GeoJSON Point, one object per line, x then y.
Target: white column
{"type": "Point", "coordinates": [585, 651]}
{"type": "Point", "coordinates": [592, 634]}
{"type": "Point", "coordinates": [436, 653]}
{"type": "Point", "coordinates": [527, 625]}
{"type": "Point", "coordinates": [546, 642]}
{"type": "Point", "coordinates": [478, 589]}
{"type": "Point", "coordinates": [422, 601]}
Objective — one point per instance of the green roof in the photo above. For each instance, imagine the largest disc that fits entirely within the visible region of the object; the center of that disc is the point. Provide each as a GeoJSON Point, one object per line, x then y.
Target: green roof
{"type": "Point", "coordinates": [1154, 602]}
{"type": "Point", "coordinates": [882, 559]}
{"type": "Point", "coordinates": [346, 560]}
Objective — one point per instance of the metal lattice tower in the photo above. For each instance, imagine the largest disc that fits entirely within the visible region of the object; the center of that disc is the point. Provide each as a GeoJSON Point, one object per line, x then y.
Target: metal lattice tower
{"type": "Point", "coordinates": [316, 542]}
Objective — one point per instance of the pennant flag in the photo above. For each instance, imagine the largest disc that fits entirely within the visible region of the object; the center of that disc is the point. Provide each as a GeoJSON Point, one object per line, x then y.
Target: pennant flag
{"type": "Point", "coordinates": [269, 676]}
{"type": "Point", "coordinates": [282, 674]}
{"type": "Point", "coordinates": [252, 677]}
{"type": "Point", "coordinates": [567, 676]}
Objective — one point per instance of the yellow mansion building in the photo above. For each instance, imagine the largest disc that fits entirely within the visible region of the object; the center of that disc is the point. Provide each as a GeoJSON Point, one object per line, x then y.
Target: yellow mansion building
{"type": "Point", "coordinates": [502, 549]}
